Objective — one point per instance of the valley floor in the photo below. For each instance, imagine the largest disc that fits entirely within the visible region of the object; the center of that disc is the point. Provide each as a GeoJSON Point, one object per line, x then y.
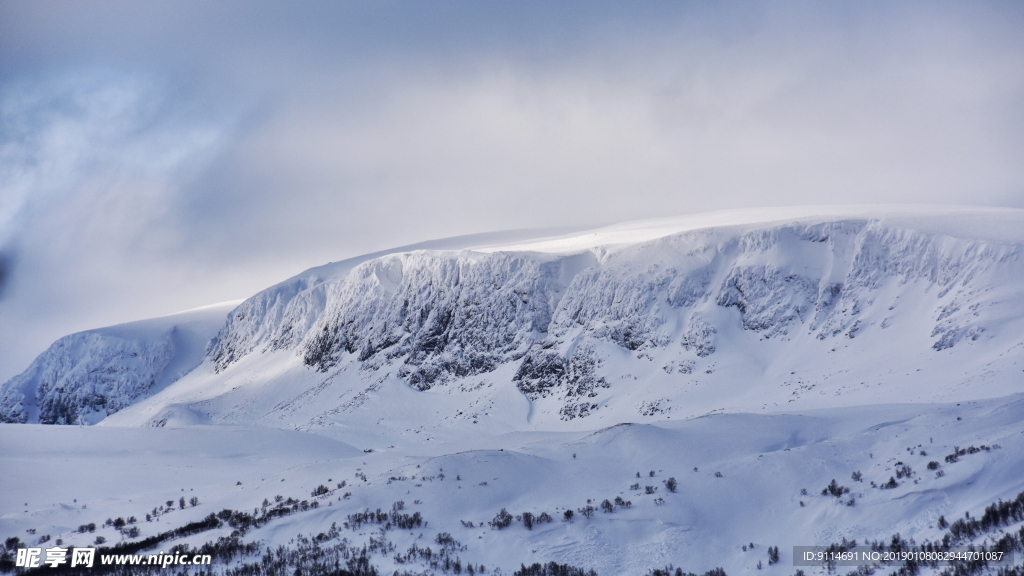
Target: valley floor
{"type": "Point", "coordinates": [742, 483]}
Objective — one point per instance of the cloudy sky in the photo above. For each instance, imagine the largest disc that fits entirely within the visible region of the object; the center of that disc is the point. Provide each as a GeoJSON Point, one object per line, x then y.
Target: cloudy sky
{"type": "Point", "coordinates": [157, 156]}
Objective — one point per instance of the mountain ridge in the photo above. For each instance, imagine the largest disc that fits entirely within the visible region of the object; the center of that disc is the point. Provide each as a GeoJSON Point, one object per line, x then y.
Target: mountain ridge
{"type": "Point", "coordinates": [566, 320]}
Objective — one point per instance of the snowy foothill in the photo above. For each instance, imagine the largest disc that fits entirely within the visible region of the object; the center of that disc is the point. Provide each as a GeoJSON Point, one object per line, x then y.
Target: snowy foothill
{"type": "Point", "coordinates": [691, 391]}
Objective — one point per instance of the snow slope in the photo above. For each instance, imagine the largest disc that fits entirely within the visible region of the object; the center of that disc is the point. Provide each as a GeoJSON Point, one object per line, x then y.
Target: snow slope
{"type": "Point", "coordinates": [740, 479]}
{"type": "Point", "coordinates": [84, 377]}
{"type": "Point", "coordinates": [753, 357]}
{"type": "Point", "coordinates": [629, 323]}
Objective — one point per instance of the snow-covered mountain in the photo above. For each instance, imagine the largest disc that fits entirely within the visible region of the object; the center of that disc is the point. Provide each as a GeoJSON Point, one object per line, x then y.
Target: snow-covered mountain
{"type": "Point", "coordinates": [627, 323]}
{"type": "Point", "coordinates": [750, 357]}
{"type": "Point", "coordinates": [738, 311]}
{"type": "Point", "coordinates": [84, 377]}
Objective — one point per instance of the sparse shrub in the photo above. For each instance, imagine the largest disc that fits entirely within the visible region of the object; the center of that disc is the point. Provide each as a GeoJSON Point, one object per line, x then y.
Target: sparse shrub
{"type": "Point", "coordinates": [933, 465]}
{"type": "Point", "coordinates": [773, 555]}
{"type": "Point", "coordinates": [607, 506]}
{"type": "Point", "coordinates": [718, 474]}
{"type": "Point", "coordinates": [650, 489]}
{"type": "Point", "coordinates": [543, 518]}
{"type": "Point", "coordinates": [659, 501]}
{"type": "Point", "coordinates": [651, 474]}
{"type": "Point", "coordinates": [552, 569]}
{"type": "Point", "coordinates": [501, 520]}
{"type": "Point", "coordinates": [673, 571]}
{"type": "Point", "coordinates": [671, 484]}
{"type": "Point", "coordinates": [834, 489]}
{"type": "Point", "coordinates": [100, 540]}
{"type": "Point", "coordinates": [567, 516]}
{"type": "Point", "coordinates": [181, 503]}
{"type": "Point", "coordinates": [635, 486]}
{"type": "Point", "coordinates": [857, 476]}
{"type": "Point", "coordinates": [892, 483]}
{"type": "Point", "coordinates": [528, 520]}
{"type": "Point", "coordinates": [588, 511]}
{"type": "Point", "coordinates": [958, 451]}
{"type": "Point", "coordinates": [904, 472]}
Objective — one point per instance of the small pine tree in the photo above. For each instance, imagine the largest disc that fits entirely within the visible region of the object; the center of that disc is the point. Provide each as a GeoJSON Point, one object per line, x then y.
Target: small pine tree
{"type": "Point", "coordinates": [671, 484]}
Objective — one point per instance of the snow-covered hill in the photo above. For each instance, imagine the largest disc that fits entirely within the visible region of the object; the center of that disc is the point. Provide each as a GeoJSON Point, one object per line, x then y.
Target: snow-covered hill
{"type": "Point", "coordinates": [750, 357]}
{"type": "Point", "coordinates": [740, 479]}
{"type": "Point", "coordinates": [636, 322]}
{"type": "Point", "coordinates": [84, 377]}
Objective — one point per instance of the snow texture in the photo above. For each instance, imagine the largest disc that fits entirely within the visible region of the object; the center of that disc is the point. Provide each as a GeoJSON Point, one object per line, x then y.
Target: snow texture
{"type": "Point", "coordinates": [753, 358]}
{"type": "Point", "coordinates": [84, 377]}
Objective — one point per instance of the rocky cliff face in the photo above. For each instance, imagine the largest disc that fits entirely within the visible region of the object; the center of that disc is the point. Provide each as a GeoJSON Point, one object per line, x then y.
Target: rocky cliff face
{"type": "Point", "coordinates": [440, 316]}
{"type": "Point", "coordinates": [564, 321]}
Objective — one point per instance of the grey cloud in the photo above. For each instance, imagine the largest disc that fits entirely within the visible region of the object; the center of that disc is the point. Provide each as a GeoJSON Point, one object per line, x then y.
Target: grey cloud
{"type": "Point", "coordinates": [162, 155]}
